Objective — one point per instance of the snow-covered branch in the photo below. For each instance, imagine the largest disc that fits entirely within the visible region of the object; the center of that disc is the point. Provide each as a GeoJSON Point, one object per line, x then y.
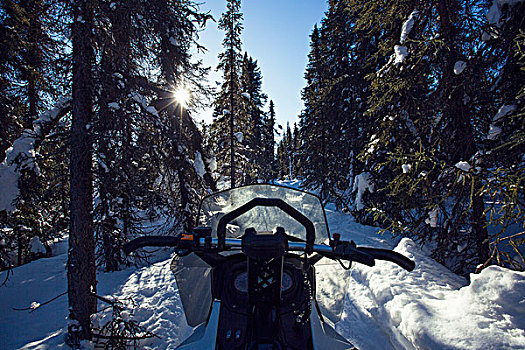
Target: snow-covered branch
{"type": "Point", "coordinates": [21, 155]}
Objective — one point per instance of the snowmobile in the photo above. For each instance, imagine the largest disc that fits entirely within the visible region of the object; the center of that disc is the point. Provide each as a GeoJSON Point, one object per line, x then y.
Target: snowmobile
{"type": "Point", "coordinates": [258, 271]}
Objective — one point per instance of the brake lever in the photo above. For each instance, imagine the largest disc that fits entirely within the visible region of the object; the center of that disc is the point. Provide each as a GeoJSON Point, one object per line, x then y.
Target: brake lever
{"type": "Point", "coordinates": [349, 250]}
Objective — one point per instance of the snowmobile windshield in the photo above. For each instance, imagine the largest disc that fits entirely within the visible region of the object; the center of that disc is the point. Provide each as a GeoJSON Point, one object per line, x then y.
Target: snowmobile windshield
{"type": "Point", "coordinates": [193, 275]}
{"type": "Point", "coordinates": [215, 206]}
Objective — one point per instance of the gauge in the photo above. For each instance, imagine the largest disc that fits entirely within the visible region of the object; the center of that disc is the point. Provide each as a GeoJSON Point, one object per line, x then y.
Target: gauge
{"type": "Point", "coordinates": [241, 282]}
{"type": "Point", "coordinates": [286, 283]}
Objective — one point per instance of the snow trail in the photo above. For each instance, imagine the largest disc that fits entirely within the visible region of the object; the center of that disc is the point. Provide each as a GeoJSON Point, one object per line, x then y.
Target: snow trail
{"type": "Point", "coordinates": [386, 307]}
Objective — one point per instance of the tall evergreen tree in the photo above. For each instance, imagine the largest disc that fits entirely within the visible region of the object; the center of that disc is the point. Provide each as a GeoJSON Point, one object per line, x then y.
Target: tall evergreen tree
{"type": "Point", "coordinates": [501, 157]}
{"type": "Point", "coordinates": [139, 123]}
{"type": "Point", "coordinates": [252, 114]}
{"type": "Point", "coordinates": [314, 126]}
{"type": "Point", "coordinates": [428, 103]}
{"type": "Point", "coordinates": [288, 160]}
{"type": "Point", "coordinates": [268, 137]}
{"type": "Point", "coordinates": [113, 133]}
{"type": "Point", "coordinates": [226, 130]}
{"type": "Point", "coordinates": [296, 158]}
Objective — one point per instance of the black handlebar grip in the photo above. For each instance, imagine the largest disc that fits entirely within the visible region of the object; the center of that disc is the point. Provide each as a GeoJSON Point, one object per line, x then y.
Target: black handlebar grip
{"type": "Point", "coordinates": [359, 256]}
{"type": "Point", "coordinates": [388, 255]}
{"type": "Point", "coordinates": [150, 241]}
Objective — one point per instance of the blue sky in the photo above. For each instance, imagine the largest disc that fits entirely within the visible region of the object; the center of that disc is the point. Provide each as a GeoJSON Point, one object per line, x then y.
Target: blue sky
{"type": "Point", "coordinates": [277, 34]}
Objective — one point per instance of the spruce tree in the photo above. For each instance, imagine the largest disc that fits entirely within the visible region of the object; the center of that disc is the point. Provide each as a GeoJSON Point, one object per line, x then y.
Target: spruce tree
{"type": "Point", "coordinates": [226, 130]}
{"type": "Point", "coordinates": [500, 161]}
{"type": "Point", "coordinates": [408, 94]}
{"type": "Point", "coordinates": [143, 134]}
{"type": "Point", "coordinates": [252, 114]}
{"type": "Point", "coordinates": [312, 120]}
{"type": "Point", "coordinates": [296, 142]}
{"type": "Point", "coordinates": [268, 137]}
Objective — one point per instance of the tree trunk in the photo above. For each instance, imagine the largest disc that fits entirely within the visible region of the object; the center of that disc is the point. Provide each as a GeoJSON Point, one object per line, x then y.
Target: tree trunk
{"type": "Point", "coordinates": [479, 224]}
{"type": "Point", "coordinates": [461, 143]}
{"type": "Point", "coordinates": [81, 262]}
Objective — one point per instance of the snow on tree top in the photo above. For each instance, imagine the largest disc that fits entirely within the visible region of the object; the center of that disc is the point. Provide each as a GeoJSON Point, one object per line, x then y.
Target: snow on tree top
{"type": "Point", "coordinates": [51, 114]}
{"type": "Point", "coordinates": [407, 26]}
{"type": "Point", "coordinates": [494, 130]}
{"type": "Point", "coordinates": [22, 155]}
{"type": "Point", "coordinates": [363, 182]}
{"type": "Point", "coordinates": [238, 136]}
{"type": "Point", "coordinates": [503, 111]}
{"type": "Point", "coordinates": [433, 217]}
{"type": "Point", "coordinates": [494, 14]}
{"type": "Point", "coordinates": [459, 67]}
{"type": "Point", "coordinates": [401, 53]}
{"type": "Point", "coordinates": [144, 103]}
{"type": "Point", "coordinates": [465, 166]}
{"type": "Point", "coordinates": [212, 164]}
{"type": "Point", "coordinates": [114, 105]}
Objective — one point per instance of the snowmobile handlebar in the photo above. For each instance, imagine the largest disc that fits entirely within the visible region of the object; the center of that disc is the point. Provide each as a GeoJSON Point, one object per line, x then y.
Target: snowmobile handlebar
{"type": "Point", "coordinates": [151, 241]}
{"type": "Point", "coordinates": [339, 250]}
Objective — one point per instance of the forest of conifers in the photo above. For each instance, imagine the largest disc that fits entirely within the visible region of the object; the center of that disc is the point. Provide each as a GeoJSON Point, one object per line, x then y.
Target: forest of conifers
{"type": "Point", "coordinates": [413, 120]}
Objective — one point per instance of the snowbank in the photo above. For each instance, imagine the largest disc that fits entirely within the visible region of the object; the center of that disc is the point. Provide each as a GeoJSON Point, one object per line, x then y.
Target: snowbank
{"type": "Point", "coordinates": [158, 307]}
{"type": "Point", "coordinates": [431, 308]}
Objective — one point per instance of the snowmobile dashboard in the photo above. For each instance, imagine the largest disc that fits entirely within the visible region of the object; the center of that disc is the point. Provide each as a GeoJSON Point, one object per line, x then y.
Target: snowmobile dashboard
{"type": "Point", "coordinates": [232, 284]}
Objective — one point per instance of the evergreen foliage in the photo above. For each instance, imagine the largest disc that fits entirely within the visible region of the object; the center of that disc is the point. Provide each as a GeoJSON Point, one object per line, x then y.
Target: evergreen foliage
{"type": "Point", "coordinates": [132, 134]}
{"type": "Point", "coordinates": [240, 133]}
{"type": "Point", "coordinates": [227, 128]}
{"type": "Point", "coordinates": [32, 73]}
{"type": "Point", "coordinates": [149, 161]}
{"type": "Point", "coordinates": [288, 159]}
{"type": "Point", "coordinates": [268, 162]}
{"type": "Point", "coordinates": [313, 122]}
{"type": "Point", "coordinates": [415, 98]}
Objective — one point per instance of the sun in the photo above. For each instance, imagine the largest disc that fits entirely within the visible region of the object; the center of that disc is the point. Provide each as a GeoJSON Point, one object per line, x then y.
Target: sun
{"type": "Point", "coordinates": [182, 96]}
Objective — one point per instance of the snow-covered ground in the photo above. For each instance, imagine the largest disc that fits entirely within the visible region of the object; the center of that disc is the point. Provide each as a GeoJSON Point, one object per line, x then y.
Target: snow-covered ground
{"type": "Point", "coordinates": [385, 306]}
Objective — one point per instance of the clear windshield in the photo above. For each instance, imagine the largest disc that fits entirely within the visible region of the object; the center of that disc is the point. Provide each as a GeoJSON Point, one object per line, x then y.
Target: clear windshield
{"type": "Point", "coordinates": [194, 275]}
{"type": "Point", "coordinates": [264, 218]}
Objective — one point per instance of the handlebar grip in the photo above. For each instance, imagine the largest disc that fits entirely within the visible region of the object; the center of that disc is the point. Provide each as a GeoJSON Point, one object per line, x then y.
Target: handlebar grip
{"type": "Point", "coordinates": [388, 255]}
{"type": "Point", "coordinates": [151, 241]}
{"type": "Point", "coordinates": [359, 256]}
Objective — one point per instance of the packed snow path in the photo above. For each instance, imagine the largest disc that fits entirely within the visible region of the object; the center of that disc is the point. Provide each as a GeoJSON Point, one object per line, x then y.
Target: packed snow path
{"type": "Point", "coordinates": [386, 307]}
